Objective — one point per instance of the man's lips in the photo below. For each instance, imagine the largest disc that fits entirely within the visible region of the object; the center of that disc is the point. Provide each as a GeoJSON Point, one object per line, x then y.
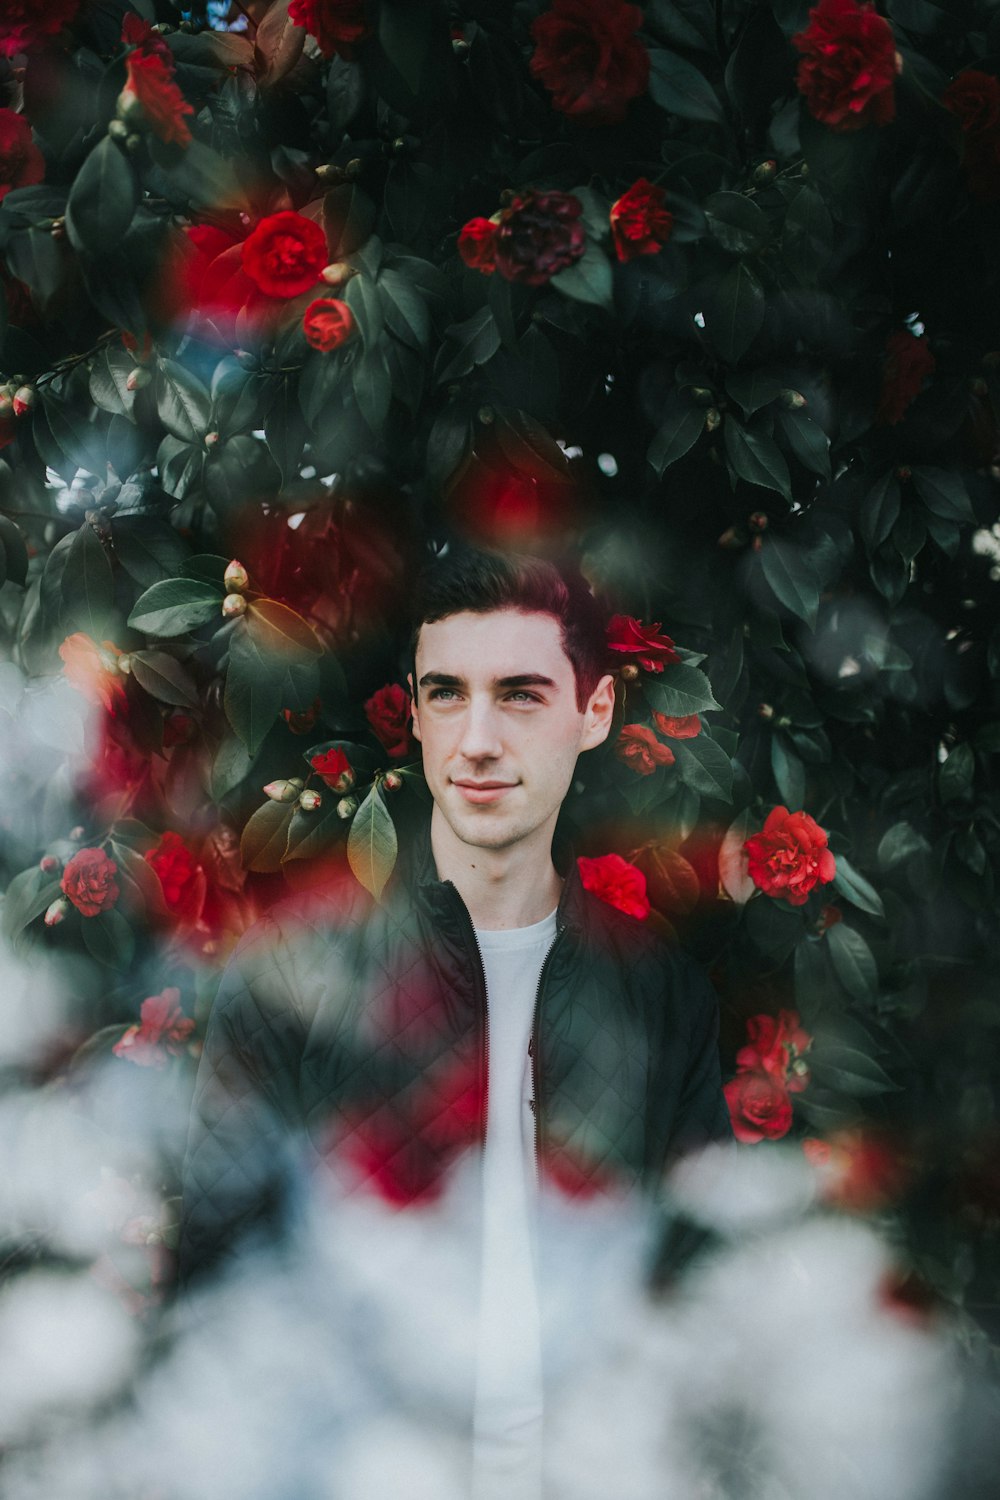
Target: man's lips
{"type": "Point", "coordinates": [483, 791]}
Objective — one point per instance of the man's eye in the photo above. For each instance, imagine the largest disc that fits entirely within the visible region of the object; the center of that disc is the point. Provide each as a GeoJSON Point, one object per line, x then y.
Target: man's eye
{"type": "Point", "coordinates": [441, 692]}
{"type": "Point", "coordinates": [523, 693]}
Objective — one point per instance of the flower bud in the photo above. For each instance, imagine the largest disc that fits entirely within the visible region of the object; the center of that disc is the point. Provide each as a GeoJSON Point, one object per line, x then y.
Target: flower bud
{"type": "Point", "coordinates": [337, 273]}
{"type": "Point", "coordinates": [712, 418]}
{"type": "Point", "coordinates": [757, 543]}
{"type": "Point", "coordinates": [630, 672]}
{"type": "Point", "coordinates": [353, 168]}
{"type": "Point", "coordinates": [765, 711]}
{"type": "Point", "coordinates": [137, 379]}
{"type": "Point", "coordinates": [234, 605]}
{"type": "Point", "coordinates": [460, 46]}
{"type": "Point", "coordinates": [310, 800]}
{"type": "Point", "coordinates": [702, 395]}
{"type": "Point", "coordinates": [48, 863]}
{"type": "Point", "coordinates": [347, 807]}
{"type": "Point", "coordinates": [211, 439]}
{"type": "Point", "coordinates": [392, 781]}
{"type": "Point", "coordinates": [286, 789]}
{"type": "Point", "coordinates": [486, 415]}
{"type": "Point", "coordinates": [57, 229]}
{"type": "Point", "coordinates": [117, 130]}
{"type": "Point", "coordinates": [76, 833]}
{"type": "Point", "coordinates": [236, 577]}
{"type": "Point", "coordinates": [56, 912]}
{"type": "Point", "coordinates": [730, 539]}
{"type": "Point", "coordinates": [758, 520]}
{"type": "Point", "coordinates": [24, 400]}
{"type": "Point", "coordinates": [129, 109]}
{"type": "Point", "coordinates": [794, 400]}
{"type": "Point", "coordinates": [124, 663]}
{"type": "Point", "coordinates": [765, 171]}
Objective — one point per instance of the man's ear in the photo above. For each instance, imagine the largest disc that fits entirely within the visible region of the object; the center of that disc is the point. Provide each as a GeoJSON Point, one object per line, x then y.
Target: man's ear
{"type": "Point", "coordinates": [599, 713]}
{"type": "Point", "coordinates": [413, 706]}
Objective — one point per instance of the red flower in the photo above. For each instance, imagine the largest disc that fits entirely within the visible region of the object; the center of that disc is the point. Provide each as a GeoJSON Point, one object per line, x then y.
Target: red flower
{"type": "Point", "coordinates": [150, 85]}
{"type": "Point", "coordinates": [93, 671]}
{"type": "Point", "coordinates": [641, 642]}
{"type": "Point", "coordinates": [25, 24]}
{"type": "Point", "coordinates": [759, 1106]}
{"type": "Point", "coordinates": [538, 235]}
{"type": "Point", "coordinates": [21, 162]}
{"type": "Point", "coordinates": [789, 856]}
{"type": "Point", "coordinates": [139, 33]}
{"type": "Point", "coordinates": [89, 881]}
{"type": "Point", "coordinates": [640, 225]}
{"type": "Point", "coordinates": [849, 64]}
{"type": "Point", "coordinates": [859, 1170]}
{"type": "Point", "coordinates": [285, 254]}
{"type": "Point", "coordinates": [974, 97]}
{"type": "Point", "coordinates": [302, 722]}
{"type": "Point", "coordinates": [335, 769]}
{"type": "Point", "coordinates": [588, 56]}
{"type": "Point", "coordinates": [337, 25]}
{"type": "Point", "coordinates": [907, 362]}
{"type": "Point", "coordinates": [641, 751]}
{"type": "Point", "coordinates": [777, 1047]}
{"type": "Point", "coordinates": [180, 875]}
{"type": "Point", "coordinates": [163, 1029]}
{"type": "Point", "coordinates": [684, 728]}
{"type": "Point", "coordinates": [617, 882]}
{"type": "Point", "coordinates": [477, 247]}
{"type": "Point", "coordinates": [389, 713]}
{"type": "Point", "coordinates": [327, 323]}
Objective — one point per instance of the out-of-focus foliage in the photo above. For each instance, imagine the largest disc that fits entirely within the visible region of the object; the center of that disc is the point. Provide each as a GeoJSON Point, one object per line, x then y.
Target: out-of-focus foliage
{"type": "Point", "coordinates": [249, 378]}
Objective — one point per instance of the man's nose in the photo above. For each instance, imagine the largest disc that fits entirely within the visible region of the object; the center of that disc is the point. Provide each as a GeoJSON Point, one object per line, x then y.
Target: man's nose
{"type": "Point", "coordinates": [480, 738]}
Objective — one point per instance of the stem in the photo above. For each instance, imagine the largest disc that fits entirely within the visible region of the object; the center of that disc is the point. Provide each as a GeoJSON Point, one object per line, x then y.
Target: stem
{"type": "Point", "coordinates": [62, 365]}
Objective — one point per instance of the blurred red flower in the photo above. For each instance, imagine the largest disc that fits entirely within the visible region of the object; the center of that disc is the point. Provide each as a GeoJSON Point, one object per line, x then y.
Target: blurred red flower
{"type": "Point", "coordinates": [337, 25]}
{"type": "Point", "coordinates": [906, 364]}
{"type": "Point", "coordinates": [180, 874]}
{"type": "Point", "coordinates": [849, 65]}
{"type": "Point", "coordinates": [777, 1047]}
{"type": "Point", "coordinates": [588, 56]}
{"type": "Point", "coordinates": [150, 83]}
{"type": "Point", "coordinates": [93, 671]}
{"type": "Point", "coordinates": [642, 643]}
{"type": "Point", "coordinates": [162, 1031]}
{"type": "Point", "coordinates": [389, 713]}
{"type": "Point", "coordinates": [538, 235]}
{"type": "Point", "coordinates": [21, 162]}
{"type": "Point", "coordinates": [26, 24]}
{"type": "Point", "coordinates": [614, 880]}
{"type": "Point", "coordinates": [759, 1106]}
{"type": "Point", "coordinates": [476, 245]}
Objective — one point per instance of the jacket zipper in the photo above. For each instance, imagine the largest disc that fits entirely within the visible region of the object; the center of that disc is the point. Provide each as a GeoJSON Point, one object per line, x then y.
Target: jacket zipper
{"type": "Point", "coordinates": [484, 1046]}
{"type": "Point", "coordinates": [533, 1048]}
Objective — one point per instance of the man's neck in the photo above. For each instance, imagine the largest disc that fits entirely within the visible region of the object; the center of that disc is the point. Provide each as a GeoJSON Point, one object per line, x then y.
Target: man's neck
{"type": "Point", "coordinates": [502, 888]}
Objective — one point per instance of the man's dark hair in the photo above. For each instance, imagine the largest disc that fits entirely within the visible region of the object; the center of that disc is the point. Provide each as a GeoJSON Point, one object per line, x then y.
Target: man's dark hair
{"type": "Point", "coordinates": [475, 579]}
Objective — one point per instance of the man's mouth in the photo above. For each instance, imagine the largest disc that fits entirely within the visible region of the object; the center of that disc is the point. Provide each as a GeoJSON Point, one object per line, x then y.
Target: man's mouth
{"type": "Point", "coordinates": [483, 791]}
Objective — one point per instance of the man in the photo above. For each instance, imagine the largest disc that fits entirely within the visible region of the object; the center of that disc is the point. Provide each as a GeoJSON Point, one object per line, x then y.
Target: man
{"type": "Point", "coordinates": [487, 1007]}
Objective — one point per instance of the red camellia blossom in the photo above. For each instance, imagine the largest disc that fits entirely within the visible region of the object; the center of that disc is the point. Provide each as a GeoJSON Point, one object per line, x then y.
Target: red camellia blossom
{"type": "Point", "coordinates": [337, 25]}
{"type": "Point", "coordinates": [642, 643]}
{"type": "Point", "coordinates": [641, 751]}
{"type": "Point", "coordinates": [684, 728]}
{"type": "Point", "coordinates": [538, 235]}
{"type": "Point", "coordinates": [93, 671]}
{"type": "Point", "coordinates": [859, 1170]}
{"type": "Point", "coordinates": [759, 1106]}
{"type": "Point", "coordinates": [907, 363]}
{"type": "Point", "coordinates": [327, 323]}
{"type": "Point", "coordinates": [389, 713]}
{"type": "Point", "coordinates": [849, 64]}
{"type": "Point", "coordinates": [777, 1047]}
{"type": "Point", "coordinates": [21, 162]}
{"type": "Point", "coordinates": [89, 881]}
{"type": "Point", "coordinates": [163, 1030]}
{"type": "Point", "coordinates": [588, 57]}
{"type": "Point", "coordinates": [974, 97]}
{"type": "Point", "coordinates": [139, 33]}
{"type": "Point", "coordinates": [180, 875]}
{"type": "Point", "coordinates": [150, 84]}
{"type": "Point", "coordinates": [335, 769]}
{"type": "Point", "coordinates": [477, 245]}
{"type": "Point", "coordinates": [27, 24]}
{"type": "Point", "coordinates": [617, 882]}
{"type": "Point", "coordinates": [285, 254]}
{"type": "Point", "coordinates": [640, 224]}
{"type": "Point", "coordinates": [789, 856]}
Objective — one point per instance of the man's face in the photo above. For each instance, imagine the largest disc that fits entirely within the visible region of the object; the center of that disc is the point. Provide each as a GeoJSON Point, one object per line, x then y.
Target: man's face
{"type": "Point", "coordinates": [496, 716]}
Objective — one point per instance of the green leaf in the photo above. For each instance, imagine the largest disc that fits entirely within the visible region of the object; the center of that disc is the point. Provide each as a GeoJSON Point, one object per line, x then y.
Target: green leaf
{"type": "Point", "coordinates": [705, 766]}
{"type": "Point", "coordinates": [148, 549]}
{"type": "Point", "coordinates": [204, 179]}
{"type": "Point", "coordinates": [943, 493]}
{"type": "Point", "coordinates": [404, 309]}
{"type": "Point", "coordinates": [736, 222]}
{"type": "Point", "coordinates": [164, 678]}
{"type": "Point", "coordinates": [588, 279]}
{"type": "Point", "coordinates": [807, 441]}
{"type": "Point", "coordinates": [371, 844]}
{"type": "Point", "coordinates": [15, 552]}
{"type": "Point", "coordinates": [955, 776]}
{"type": "Point", "coordinates": [176, 605]}
{"type": "Point", "coordinates": [77, 436]}
{"type": "Point", "coordinates": [230, 766]}
{"type": "Point", "coordinates": [752, 389]}
{"type": "Point", "coordinates": [677, 435]}
{"type": "Point", "coordinates": [853, 962]}
{"type": "Point", "coordinates": [280, 632]}
{"type": "Point", "coordinates": [468, 344]}
{"type": "Point", "coordinates": [262, 846]}
{"type": "Point", "coordinates": [791, 577]}
{"type": "Point", "coordinates": [365, 301]}
{"type": "Point", "coordinates": [138, 879]}
{"type": "Point", "coordinates": [108, 939]}
{"type": "Point", "coordinates": [847, 1069]}
{"type": "Point", "coordinates": [254, 688]}
{"type": "Point", "coordinates": [756, 457]}
{"type": "Point", "coordinates": [102, 200]}
{"type": "Point", "coordinates": [733, 307]}
{"type": "Point", "coordinates": [789, 773]}
{"type": "Point", "coordinates": [279, 43]}
{"type": "Point", "coordinates": [182, 402]}
{"type": "Point", "coordinates": [678, 87]}
{"type": "Point", "coordinates": [372, 388]}
{"type": "Point", "coordinates": [109, 381]}
{"type": "Point", "coordinates": [678, 691]}
{"type": "Point", "coordinates": [856, 889]}
{"type": "Point", "coordinates": [181, 465]}
{"type": "Point", "coordinates": [899, 843]}
{"type": "Point", "coordinates": [28, 895]}
{"type": "Point", "coordinates": [87, 584]}
{"type": "Point", "coordinates": [312, 834]}
{"type": "Point", "coordinates": [880, 510]}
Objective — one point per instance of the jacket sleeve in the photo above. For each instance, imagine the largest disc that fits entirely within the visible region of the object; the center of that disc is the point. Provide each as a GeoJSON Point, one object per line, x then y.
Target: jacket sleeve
{"type": "Point", "coordinates": [239, 1167]}
{"type": "Point", "coordinates": [702, 1113]}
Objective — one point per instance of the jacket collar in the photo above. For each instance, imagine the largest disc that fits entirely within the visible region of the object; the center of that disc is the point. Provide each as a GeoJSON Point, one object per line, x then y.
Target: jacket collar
{"type": "Point", "coordinates": [417, 872]}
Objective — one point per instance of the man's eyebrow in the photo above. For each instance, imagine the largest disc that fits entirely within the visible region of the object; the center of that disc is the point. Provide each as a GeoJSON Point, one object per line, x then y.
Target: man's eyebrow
{"type": "Point", "coordinates": [521, 680]}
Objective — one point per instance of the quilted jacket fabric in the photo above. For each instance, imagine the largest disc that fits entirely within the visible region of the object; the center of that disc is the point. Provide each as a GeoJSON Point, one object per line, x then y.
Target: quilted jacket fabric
{"type": "Point", "coordinates": [352, 1034]}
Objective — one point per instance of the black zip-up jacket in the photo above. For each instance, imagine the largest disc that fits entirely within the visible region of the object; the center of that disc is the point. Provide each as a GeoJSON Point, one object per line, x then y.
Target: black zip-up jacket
{"type": "Point", "coordinates": [351, 1034]}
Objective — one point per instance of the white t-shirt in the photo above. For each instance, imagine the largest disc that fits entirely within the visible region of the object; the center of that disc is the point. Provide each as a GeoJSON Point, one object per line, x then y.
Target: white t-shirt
{"type": "Point", "coordinates": [508, 1413]}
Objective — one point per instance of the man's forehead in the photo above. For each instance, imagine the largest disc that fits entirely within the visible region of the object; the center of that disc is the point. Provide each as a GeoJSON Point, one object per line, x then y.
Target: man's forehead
{"type": "Point", "coordinates": [497, 643]}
